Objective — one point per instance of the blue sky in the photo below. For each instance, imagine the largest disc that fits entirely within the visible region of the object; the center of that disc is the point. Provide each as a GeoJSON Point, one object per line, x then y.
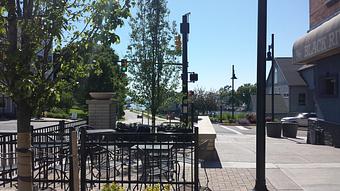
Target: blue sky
{"type": "Point", "coordinates": [224, 32]}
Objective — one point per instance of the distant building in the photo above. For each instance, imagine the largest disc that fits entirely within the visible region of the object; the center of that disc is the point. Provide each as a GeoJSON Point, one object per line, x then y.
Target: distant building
{"type": "Point", "coordinates": [319, 49]}
{"type": "Point", "coordinates": [292, 88]}
{"type": "Point", "coordinates": [7, 107]}
{"type": "Point", "coordinates": [291, 92]}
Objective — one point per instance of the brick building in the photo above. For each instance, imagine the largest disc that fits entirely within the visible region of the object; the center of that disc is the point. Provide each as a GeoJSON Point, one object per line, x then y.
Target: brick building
{"type": "Point", "coordinates": [319, 49]}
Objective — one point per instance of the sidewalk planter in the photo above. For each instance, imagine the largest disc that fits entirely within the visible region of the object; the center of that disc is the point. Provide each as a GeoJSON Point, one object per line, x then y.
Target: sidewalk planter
{"type": "Point", "coordinates": [274, 129]}
{"type": "Point", "coordinates": [289, 129]}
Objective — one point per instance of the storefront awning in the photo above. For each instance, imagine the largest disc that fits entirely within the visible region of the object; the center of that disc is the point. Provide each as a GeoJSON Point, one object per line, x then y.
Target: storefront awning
{"type": "Point", "coordinates": [319, 43]}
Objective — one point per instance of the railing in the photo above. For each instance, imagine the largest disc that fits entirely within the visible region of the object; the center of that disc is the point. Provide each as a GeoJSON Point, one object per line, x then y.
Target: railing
{"type": "Point", "coordinates": [8, 168]}
{"type": "Point", "coordinates": [133, 160]}
{"type": "Point", "coordinates": [60, 127]}
{"type": "Point", "coordinates": [136, 161]}
{"type": "Point", "coordinates": [50, 155]}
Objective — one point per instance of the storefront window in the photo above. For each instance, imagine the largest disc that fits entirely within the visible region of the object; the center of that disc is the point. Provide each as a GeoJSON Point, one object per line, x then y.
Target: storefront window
{"type": "Point", "coordinates": [302, 99]}
{"type": "Point", "coordinates": [328, 86]}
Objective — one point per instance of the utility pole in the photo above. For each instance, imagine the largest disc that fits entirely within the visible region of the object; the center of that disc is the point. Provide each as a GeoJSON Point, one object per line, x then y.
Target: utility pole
{"type": "Point", "coordinates": [273, 78]}
{"type": "Point", "coordinates": [232, 94]}
{"type": "Point", "coordinates": [185, 32]}
{"type": "Point", "coordinates": [260, 184]}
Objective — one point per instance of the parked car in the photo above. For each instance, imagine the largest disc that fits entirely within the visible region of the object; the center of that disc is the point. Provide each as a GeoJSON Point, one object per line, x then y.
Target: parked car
{"type": "Point", "coordinates": [301, 119]}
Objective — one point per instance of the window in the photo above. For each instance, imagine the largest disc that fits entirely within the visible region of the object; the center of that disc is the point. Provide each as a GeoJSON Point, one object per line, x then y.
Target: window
{"type": "Point", "coordinates": [328, 86]}
{"type": "Point", "coordinates": [330, 2]}
{"type": "Point", "coordinates": [302, 99]}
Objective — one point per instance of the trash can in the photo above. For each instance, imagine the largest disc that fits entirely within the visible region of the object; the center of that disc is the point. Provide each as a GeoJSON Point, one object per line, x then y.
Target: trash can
{"type": "Point", "coordinates": [274, 129]}
{"type": "Point", "coordinates": [316, 136]}
{"type": "Point", "coordinates": [289, 129]}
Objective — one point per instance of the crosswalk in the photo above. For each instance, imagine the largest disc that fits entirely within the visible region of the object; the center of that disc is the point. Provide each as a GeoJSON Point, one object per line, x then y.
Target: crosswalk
{"type": "Point", "coordinates": [235, 129]}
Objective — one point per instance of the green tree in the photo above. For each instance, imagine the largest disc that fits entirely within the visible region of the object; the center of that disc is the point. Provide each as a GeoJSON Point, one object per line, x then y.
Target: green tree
{"type": "Point", "coordinates": [33, 32]}
{"type": "Point", "coordinates": [104, 76]}
{"type": "Point", "coordinates": [150, 47]}
{"type": "Point", "coordinates": [205, 101]}
{"type": "Point", "coordinates": [224, 94]}
{"type": "Point", "coordinates": [243, 94]}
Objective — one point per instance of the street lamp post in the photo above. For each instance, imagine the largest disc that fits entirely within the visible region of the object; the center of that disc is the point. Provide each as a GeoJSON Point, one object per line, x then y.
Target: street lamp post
{"type": "Point", "coordinates": [221, 107]}
{"type": "Point", "coordinates": [271, 57]}
{"type": "Point", "coordinates": [232, 94]}
{"type": "Point", "coordinates": [260, 184]}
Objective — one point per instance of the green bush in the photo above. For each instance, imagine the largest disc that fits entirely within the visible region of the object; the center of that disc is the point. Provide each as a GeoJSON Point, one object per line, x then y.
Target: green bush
{"type": "Point", "coordinates": [62, 114]}
{"type": "Point", "coordinates": [228, 117]}
{"type": "Point", "coordinates": [112, 187]}
{"type": "Point", "coordinates": [57, 115]}
{"type": "Point", "coordinates": [80, 113]}
{"type": "Point", "coordinates": [158, 188]}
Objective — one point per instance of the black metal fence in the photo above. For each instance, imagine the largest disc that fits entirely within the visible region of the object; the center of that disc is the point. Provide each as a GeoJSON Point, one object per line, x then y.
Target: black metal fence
{"type": "Point", "coordinates": [8, 170]}
{"type": "Point", "coordinates": [51, 148]}
{"type": "Point", "coordinates": [138, 160]}
{"type": "Point", "coordinates": [133, 160]}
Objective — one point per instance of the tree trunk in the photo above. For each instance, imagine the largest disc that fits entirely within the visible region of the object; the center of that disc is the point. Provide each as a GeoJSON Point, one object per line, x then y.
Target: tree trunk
{"type": "Point", "coordinates": [24, 154]}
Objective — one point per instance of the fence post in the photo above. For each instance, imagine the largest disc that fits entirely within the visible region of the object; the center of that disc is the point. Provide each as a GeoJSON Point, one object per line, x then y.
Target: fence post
{"type": "Point", "coordinates": [196, 175]}
{"type": "Point", "coordinates": [71, 179]}
{"type": "Point", "coordinates": [32, 154]}
{"type": "Point", "coordinates": [61, 129]}
{"type": "Point", "coordinates": [74, 165]}
{"type": "Point", "coordinates": [82, 160]}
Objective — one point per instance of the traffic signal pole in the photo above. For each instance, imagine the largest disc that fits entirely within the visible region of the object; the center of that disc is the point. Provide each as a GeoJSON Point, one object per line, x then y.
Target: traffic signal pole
{"type": "Point", "coordinates": [260, 184]}
{"type": "Point", "coordinates": [185, 32]}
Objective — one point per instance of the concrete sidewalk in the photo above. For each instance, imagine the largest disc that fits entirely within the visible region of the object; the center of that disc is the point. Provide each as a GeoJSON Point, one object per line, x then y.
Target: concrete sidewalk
{"type": "Point", "coordinates": [290, 165]}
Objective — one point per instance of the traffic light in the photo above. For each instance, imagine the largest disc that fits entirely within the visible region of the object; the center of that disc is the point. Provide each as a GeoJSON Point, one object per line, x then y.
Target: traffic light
{"type": "Point", "coordinates": [178, 43]}
{"type": "Point", "coordinates": [123, 66]}
{"type": "Point", "coordinates": [193, 77]}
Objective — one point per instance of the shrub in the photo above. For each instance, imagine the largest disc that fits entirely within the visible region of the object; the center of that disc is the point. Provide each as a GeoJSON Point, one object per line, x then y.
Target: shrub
{"type": "Point", "coordinates": [243, 122]}
{"type": "Point", "coordinates": [115, 187]}
{"type": "Point", "coordinates": [268, 119]}
{"type": "Point", "coordinates": [251, 117]}
{"type": "Point", "coordinates": [158, 188]}
{"type": "Point", "coordinates": [57, 113]}
{"type": "Point", "coordinates": [112, 187]}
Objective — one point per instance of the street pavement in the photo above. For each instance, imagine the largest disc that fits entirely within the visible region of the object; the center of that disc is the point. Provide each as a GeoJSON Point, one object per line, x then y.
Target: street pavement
{"type": "Point", "coordinates": [131, 117]}
{"type": "Point", "coordinates": [11, 125]}
{"type": "Point", "coordinates": [291, 164]}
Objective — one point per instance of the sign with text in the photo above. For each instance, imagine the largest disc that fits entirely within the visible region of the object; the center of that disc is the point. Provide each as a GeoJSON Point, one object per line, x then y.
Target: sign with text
{"type": "Point", "coordinates": [319, 43]}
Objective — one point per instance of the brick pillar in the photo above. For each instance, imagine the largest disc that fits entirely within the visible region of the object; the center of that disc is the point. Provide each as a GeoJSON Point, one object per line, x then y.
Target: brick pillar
{"type": "Point", "coordinates": [102, 114]}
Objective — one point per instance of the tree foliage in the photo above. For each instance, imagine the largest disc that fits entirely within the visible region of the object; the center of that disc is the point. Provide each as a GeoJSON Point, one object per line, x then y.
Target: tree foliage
{"type": "Point", "coordinates": [104, 76]}
{"type": "Point", "coordinates": [151, 45]}
{"type": "Point", "coordinates": [243, 94]}
{"type": "Point", "coordinates": [39, 52]}
{"type": "Point", "coordinates": [39, 55]}
{"type": "Point", "coordinates": [206, 101]}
